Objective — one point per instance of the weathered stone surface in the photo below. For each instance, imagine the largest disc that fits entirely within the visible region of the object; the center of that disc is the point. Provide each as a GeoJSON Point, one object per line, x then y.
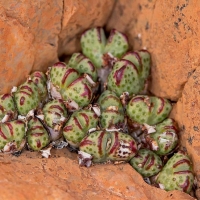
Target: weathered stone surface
{"type": "Point", "coordinates": [60, 177]}
{"type": "Point", "coordinates": [33, 34]}
{"type": "Point", "coordinates": [187, 113]}
{"type": "Point", "coordinates": [77, 17]}
{"type": "Point", "coordinates": [15, 41]}
{"type": "Point", "coordinates": [169, 30]}
{"type": "Point", "coordinates": [29, 37]}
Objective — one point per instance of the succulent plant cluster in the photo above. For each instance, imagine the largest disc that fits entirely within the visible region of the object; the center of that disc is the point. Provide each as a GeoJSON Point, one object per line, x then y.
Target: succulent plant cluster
{"type": "Point", "coordinates": [121, 123]}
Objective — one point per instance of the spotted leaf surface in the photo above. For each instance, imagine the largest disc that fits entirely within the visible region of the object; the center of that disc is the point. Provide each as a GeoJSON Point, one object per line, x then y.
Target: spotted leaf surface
{"type": "Point", "coordinates": [37, 135]}
{"type": "Point", "coordinates": [83, 65]}
{"type": "Point", "coordinates": [124, 77]}
{"type": "Point", "coordinates": [104, 146]}
{"type": "Point", "coordinates": [12, 131]}
{"type": "Point", "coordinates": [165, 139]}
{"type": "Point", "coordinates": [78, 126]}
{"type": "Point", "coordinates": [177, 174]}
{"type": "Point", "coordinates": [146, 162]}
{"type": "Point", "coordinates": [100, 50]}
{"type": "Point", "coordinates": [27, 97]}
{"type": "Point", "coordinates": [7, 107]}
{"type": "Point", "coordinates": [40, 79]}
{"type": "Point", "coordinates": [147, 109]}
{"type": "Point", "coordinates": [112, 112]}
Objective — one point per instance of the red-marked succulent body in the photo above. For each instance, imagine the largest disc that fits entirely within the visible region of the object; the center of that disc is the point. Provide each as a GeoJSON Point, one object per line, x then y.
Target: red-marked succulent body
{"type": "Point", "coordinates": [100, 50]}
{"type": "Point", "coordinates": [124, 78]}
{"type": "Point", "coordinates": [112, 111]}
{"type": "Point", "coordinates": [78, 126]}
{"type": "Point", "coordinates": [27, 97]}
{"type": "Point", "coordinates": [37, 135]}
{"type": "Point", "coordinates": [40, 79]}
{"type": "Point", "coordinates": [146, 162]}
{"type": "Point", "coordinates": [12, 132]}
{"type": "Point", "coordinates": [148, 109]}
{"type": "Point", "coordinates": [8, 111]}
{"type": "Point", "coordinates": [177, 174]}
{"type": "Point", "coordinates": [55, 115]}
{"type": "Point", "coordinates": [68, 84]}
{"type": "Point", "coordinates": [109, 146]}
{"type": "Point", "coordinates": [83, 65]}
{"type": "Point", "coordinates": [165, 139]}
{"type": "Point", "coordinates": [130, 73]}
{"type": "Point", "coordinates": [142, 60]}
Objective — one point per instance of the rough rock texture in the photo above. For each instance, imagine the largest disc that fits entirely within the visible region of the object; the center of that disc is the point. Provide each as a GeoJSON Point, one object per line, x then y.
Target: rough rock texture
{"type": "Point", "coordinates": [34, 33]}
{"type": "Point", "coordinates": [169, 30]}
{"type": "Point", "coordinates": [187, 113]}
{"type": "Point", "coordinates": [77, 17]}
{"type": "Point", "coordinates": [61, 178]}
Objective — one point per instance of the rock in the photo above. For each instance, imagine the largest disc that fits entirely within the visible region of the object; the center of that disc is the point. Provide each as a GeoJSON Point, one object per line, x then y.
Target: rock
{"type": "Point", "coordinates": [34, 34]}
{"type": "Point", "coordinates": [16, 61]}
{"type": "Point", "coordinates": [79, 16]}
{"type": "Point", "coordinates": [186, 112]}
{"type": "Point", "coordinates": [170, 32]}
{"type": "Point", "coordinates": [29, 35]}
{"type": "Point", "coordinates": [60, 177]}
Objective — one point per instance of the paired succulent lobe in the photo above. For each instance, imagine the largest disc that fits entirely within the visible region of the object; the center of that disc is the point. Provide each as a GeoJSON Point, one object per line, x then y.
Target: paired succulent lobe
{"type": "Point", "coordinates": [13, 131]}
{"type": "Point", "coordinates": [165, 139]}
{"type": "Point", "coordinates": [78, 125]}
{"type": "Point", "coordinates": [177, 174]}
{"type": "Point", "coordinates": [146, 162]}
{"type": "Point", "coordinates": [147, 109]}
{"type": "Point", "coordinates": [37, 135]}
{"type": "Point", "coordinates": [109, 146]}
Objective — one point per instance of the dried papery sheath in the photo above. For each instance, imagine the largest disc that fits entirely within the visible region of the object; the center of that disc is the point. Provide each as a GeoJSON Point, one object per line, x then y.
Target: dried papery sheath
{"type": "Point", "coordinates": [71, 105]}
{"type": "Point", "coordinates": [46, 153]}
{"type": "Point", "coordinates": [150, 129]}
{"type": "Point", "coordinates": [96, 109]}
{"type": "Point", "coordinates": [84, 159]}
{"type": "Point", "coordinates": [60, 145]}
{"type": "Point", "coordinates": [165, 139]}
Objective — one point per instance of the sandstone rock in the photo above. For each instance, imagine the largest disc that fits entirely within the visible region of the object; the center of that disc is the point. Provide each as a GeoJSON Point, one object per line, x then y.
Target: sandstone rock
{"type": "Point", "coordinates": [16, 61]}
{"type": "Point", "coordinates": [33, 34]}
{"type": "Point", "coordinates": [187, 113]}
{"type": "Point", "coordinates": [60, 177]}
{"type": "Point", "coordinates": [169, 30]}
{"type": "Point", "coordinates": [29, 37]}
{"type": "Point", "coordinates": [79, 16]}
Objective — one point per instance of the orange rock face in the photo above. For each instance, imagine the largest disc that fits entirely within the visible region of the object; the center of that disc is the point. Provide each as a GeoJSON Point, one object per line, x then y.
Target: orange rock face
{"type": "Point", "coordinates": [60, 177]}
{"type": "Point", "coordinates": [34, 34]}
{"type": "Point", "coordinates": [169, 30]}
